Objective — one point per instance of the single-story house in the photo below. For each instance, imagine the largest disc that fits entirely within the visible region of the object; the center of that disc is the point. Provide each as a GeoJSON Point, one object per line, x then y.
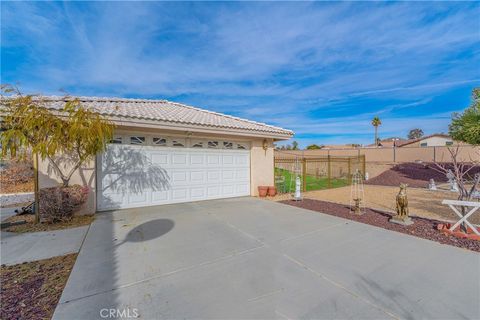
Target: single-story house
{"type": "Point", "coordinates": [165, 152]}
{"type": "Point", "coordinates": [388, 143]}
{"type": "Point", "coordinates": [433, 140]}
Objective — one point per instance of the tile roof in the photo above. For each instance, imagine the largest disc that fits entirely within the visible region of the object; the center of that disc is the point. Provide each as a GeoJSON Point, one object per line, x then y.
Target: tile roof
{"type": "Point", "coordinates": [165, 111]}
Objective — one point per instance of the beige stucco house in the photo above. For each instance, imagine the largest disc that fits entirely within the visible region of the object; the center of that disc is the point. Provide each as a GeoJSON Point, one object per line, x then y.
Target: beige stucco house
{"type": "Point", "coordinates": [165, 152]}
{"type": "Point", "coordinates": [434, 140]}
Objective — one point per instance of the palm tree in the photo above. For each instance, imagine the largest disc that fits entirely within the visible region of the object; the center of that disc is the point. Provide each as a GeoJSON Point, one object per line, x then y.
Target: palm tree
{"type": "Point", "coordinates": [376, 122]}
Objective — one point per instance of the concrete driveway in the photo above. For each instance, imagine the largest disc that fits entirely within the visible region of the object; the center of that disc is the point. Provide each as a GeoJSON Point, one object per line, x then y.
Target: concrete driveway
{"type": "Point", "coordinates": [248, 258]}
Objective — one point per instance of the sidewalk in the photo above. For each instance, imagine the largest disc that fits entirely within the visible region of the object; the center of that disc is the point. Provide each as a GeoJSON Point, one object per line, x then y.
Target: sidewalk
{"type": "Point", "coordinates": [26, 247]}
{"type": "Point", "coordinates": [8, 199]}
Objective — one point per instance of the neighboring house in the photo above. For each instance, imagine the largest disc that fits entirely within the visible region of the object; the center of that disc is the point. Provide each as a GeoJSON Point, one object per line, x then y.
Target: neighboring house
{"type": "Point", "coordinates": [165, 152]}
{"type": "Point", "coordinates": [434, 140]}
{"type": "Point", "coordinates": [388, 143]}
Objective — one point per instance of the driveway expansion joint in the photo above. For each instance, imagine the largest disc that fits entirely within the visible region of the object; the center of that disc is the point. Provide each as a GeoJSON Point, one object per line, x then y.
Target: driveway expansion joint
{"type": "Point", "coordinates": [340, 286]}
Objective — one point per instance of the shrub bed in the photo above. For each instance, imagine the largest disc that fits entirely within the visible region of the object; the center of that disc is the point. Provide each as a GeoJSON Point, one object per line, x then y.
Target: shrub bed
{"type": "Point", "coordinates": [60, 203]}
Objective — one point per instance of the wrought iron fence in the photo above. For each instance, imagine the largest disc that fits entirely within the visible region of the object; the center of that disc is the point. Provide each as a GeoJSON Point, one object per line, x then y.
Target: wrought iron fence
{"type": "Point", "coordinates": [316, 172]}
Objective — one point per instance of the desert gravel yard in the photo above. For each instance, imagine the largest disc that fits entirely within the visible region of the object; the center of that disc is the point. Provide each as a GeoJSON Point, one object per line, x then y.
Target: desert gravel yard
{"type": "Point", "coordinates": [246, 258]}
{"type": "Point", "coordinates": [422, 202]}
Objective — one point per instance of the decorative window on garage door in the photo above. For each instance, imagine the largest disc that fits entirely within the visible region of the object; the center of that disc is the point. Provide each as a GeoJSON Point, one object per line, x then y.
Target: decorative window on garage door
{"type": "Point", "coordinates": [227, 145]}
{"type": "Point", "coordinates": [137, 140]}
{"type": "Point", "coordinates": [213, 144]}
{"type": "Point", "coordinates": [242, 146]}
{"type": "Point", "coordinates": [116, 140]}
{"type": "Point", "coordinates": [198, 144]}
{"type": "Point", "coordinates": [157, 141]}
{"type": "Point", "coordinates": [178, 142]}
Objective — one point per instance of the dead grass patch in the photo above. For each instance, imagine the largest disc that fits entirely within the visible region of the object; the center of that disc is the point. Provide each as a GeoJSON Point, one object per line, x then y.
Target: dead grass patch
{"type": "Point", "coordinates": [31, 226]}
{"type": "Point", "coordinates": [17, 187]}
{"type": "Point", "coordinates": [32, 290]}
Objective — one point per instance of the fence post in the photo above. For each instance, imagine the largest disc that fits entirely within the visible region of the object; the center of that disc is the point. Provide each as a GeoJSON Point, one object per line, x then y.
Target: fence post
{"type": "Point", "coordinates": [394, 154]}
{"type": "Point", "coordinates": [364, 165]}
{"type": "Point", "coordinates": [304, 174]}
{"type": "Point", "coordinates": [434, 154]}
{"type": "Point", "coordinates": [349, 170]}
{"type": "Point", "coordinates": [329, 172]}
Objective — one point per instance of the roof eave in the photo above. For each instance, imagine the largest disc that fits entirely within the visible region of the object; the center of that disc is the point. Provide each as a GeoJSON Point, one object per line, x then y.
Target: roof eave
{"type": "Point", "coordinates": [168, 125]}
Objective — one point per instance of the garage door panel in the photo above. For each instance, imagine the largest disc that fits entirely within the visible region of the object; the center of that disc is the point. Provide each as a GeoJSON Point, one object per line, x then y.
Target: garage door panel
{"type": "Point", "coordinates": [214, 176]}
{"type": "Point", "coordinates": [243, 188]}
{"type": "Point", "coordinates": [213, 191]}
{"type": "Point", "coordinates": [179, 159]}
{"type": "Point", "coordinates": [228, 175]}
{"type": "Point", "coordinates": [161, 159]}
{"type": "Point", "coordinates": [197, 193]}
{"type": "Point", "coordinates": [160, 196]}
{"type": "Point", "coordinates": [197, 159]}
{"type": "Point", "coordinates": [242, 174]}
{"type": "Point", "coordinates": [228, 190]}
{"type": "Point", "coordinates": [213, 160]}
{"type": "Point", "coordinates": [180, 194]}
{"type": "Point", "coordinates": [112, 201]}
{"type": "Point", "coordinates": [110, 183]}
{"type": "Point", "coordinates": [138, 198]}
{"type": "Point", "coordinates": [242, 159]}
{"type": "Point", "coordinates": [190, 174]}
{"type": "Point", "coordinates": [179, 177]}
{"type": "Point", "coordinates": [197, 177]}
{"type": "Point", "coordinates": [228, 160]}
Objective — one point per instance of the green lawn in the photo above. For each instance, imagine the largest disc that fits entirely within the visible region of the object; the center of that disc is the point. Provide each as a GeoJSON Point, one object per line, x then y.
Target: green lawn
{"type": "Point", "coordinates": [313, 183]}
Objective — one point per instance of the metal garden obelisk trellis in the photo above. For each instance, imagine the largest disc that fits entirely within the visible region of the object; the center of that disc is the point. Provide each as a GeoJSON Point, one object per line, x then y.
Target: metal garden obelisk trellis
{"type": "Point", "coordinates": [298, 172]}
{"type": "Point", "coordinates": [357, 194]}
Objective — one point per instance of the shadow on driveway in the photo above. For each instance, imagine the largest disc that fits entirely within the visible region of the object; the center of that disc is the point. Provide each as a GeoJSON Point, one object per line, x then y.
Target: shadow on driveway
{"type": "Point", "coordinates": [149, 230]}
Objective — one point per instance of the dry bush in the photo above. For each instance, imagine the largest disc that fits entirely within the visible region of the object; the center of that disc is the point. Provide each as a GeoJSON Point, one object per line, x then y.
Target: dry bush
{"type": "Point", "coordinates": [60, 203]}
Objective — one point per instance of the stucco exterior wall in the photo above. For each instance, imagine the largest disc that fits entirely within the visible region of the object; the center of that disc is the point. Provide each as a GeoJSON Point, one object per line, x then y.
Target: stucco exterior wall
{"type": "Point", "coordinates": [261, 165]}
{"type": "Point", "coordinates": [47, 177]}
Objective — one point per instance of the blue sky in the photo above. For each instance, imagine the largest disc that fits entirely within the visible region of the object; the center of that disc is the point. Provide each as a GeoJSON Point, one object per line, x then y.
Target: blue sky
{"type": "Point", "coordinates": [321, 69]}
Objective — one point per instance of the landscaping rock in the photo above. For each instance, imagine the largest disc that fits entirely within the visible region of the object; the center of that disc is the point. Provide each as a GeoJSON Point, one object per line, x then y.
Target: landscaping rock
{"type": "Point", "coordinates": [416, 175]}
{"type": "Point", "coordinates": [422, 228]}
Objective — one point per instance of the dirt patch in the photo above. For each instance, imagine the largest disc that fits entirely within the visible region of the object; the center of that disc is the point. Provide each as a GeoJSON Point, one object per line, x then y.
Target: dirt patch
{"type": "Point", "coordinates": [17, 187]}
{"type": "Point", "coordinates": [31, 226]}
{"type": "Point", "coordinates": [32, 290]}
{"type": "Point", "coordinates": [422, 228]}
{"type": "Point", "coordinates": [376, 168]}
{"type": "Point", "coordinates": [416, 175]}
{"type": "Point", "coordinates": [422, 202]}
{"type": "Point", "coordinates": [16, 176]}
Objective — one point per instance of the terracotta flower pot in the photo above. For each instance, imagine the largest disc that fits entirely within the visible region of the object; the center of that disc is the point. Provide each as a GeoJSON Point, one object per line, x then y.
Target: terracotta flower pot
{"type": "Point", "coordinates": [262, 191]}
{"type": "Point", "coordinates": [272, 191]}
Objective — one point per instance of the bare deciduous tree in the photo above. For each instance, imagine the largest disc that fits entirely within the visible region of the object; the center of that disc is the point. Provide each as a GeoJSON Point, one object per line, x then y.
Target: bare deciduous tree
{"type": "Point", "coordinates": [463, 173]}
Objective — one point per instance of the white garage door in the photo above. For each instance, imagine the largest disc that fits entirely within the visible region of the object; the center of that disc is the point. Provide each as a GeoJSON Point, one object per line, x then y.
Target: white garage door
{"type": "Point", "coordinates": [137, 171]}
